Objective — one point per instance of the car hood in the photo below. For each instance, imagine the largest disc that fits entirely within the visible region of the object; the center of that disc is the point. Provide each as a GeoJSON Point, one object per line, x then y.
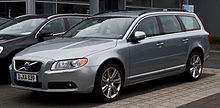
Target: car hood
{"type": "Point", "coordinates": [9, 38]}
{"type": "Point", "coordinates": [68, 48]}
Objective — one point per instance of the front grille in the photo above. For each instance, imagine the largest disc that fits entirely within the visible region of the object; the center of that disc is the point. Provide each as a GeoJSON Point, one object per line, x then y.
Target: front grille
{"type": "Point", "coordinates": [29, 84]}
{"type": "Point", "coordinates": [28, 66]}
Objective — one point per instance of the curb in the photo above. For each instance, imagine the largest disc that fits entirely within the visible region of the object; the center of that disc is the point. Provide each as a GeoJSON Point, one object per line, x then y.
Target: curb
{"type": "Point", "coordinates": [217, 47]}
{"type": "Point", "coordinates": [215, 51]}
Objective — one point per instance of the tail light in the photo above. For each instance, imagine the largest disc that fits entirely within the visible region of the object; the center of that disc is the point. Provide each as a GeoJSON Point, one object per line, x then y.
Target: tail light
{"type": "Point", "coordinates": [208, 37]}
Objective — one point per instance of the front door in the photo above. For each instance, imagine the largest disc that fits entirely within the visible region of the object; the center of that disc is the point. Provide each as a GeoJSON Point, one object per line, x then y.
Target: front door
{"type": "Point", "coordinates": [147, 55]}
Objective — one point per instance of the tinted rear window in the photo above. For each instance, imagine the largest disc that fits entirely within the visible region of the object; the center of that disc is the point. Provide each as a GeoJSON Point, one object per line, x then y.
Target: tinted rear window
{"type": "Point", "coordinates": [190, 23]}
{"type": "Point", "coordinates": [170, 24]}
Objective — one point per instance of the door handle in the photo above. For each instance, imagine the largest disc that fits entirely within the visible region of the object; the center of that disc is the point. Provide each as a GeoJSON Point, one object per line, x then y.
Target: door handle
{"type": "Point", "coordinates": [160, 44]}
{"type": "Point", "coordinates": [185, 40]}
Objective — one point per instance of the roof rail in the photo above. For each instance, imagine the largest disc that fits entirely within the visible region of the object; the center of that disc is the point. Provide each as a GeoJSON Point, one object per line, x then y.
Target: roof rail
{"type": "Point", "coordinates": [177, 9]}
{"type": "Point", "coordinates": [24, 15]}
{"type": "Point", "coordinates": [147, 10]}
{"type": "Point", "coordinates": [162, 9]}
{"type": "Point", "coordinates": [69, 14]}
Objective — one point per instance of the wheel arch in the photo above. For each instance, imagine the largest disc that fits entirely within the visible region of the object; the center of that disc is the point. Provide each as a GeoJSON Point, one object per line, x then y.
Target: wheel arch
{"type": "Point", "coordinates": [117, 62]}
{"type": "Point", "coordinates": [199, 50]}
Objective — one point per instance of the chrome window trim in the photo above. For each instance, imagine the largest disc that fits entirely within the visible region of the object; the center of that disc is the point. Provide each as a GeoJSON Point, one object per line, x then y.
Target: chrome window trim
{"type": "Point", "coordinates": [152, 14]}
{"type": "Point", "coordinates": [58, 33]}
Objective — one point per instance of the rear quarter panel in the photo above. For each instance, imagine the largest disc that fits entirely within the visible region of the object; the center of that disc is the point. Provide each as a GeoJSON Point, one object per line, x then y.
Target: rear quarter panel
{"type": "Point", "coordinates": [199, 39]}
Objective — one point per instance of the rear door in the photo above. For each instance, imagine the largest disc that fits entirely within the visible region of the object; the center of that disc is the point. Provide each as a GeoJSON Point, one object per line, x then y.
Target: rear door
{"type": "Point", "coordinates": [177, 44]}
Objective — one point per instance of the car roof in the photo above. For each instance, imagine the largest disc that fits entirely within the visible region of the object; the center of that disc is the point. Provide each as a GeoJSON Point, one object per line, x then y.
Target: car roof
{"type": "Point", "coordinates": [51, 16]}
{"type": "Point", "coordinates": [137, 13]}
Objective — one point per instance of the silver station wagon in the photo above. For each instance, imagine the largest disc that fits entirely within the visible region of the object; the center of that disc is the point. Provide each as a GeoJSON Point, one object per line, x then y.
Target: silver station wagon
{"type": "Point", "coordinates": [109, 51]}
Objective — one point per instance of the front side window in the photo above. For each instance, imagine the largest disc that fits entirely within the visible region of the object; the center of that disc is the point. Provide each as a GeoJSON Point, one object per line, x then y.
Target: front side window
{"type": "Point", "coordinates": [102, 27]}
{"type": "Point", "coordinates": [55, 26]}
{"type": "Point", "coordinates": [190, 23]}
{"type": "Point", "coordinates": [21, 26]}
{"type": "Point", "coordinates": [149, 26]}
{"type": "Point", "coordinates": [170, 24]}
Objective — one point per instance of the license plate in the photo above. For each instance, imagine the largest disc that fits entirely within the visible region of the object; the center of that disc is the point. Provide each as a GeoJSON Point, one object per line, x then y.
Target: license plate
{"type": "Point", "coordinates": [25, 77]}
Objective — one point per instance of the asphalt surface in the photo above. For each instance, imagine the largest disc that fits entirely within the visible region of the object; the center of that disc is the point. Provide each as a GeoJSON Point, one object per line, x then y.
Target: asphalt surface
{"type": "Point", "coordinates": [214, 60]}
{"type": "Point", "coordinates": [208, 102]}
{"type": "Point", "coordinates": [15, 98]}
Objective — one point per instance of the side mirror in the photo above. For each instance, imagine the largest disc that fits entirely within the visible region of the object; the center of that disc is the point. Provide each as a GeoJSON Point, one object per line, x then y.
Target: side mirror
{"type": "Point", "coordinates": [44, 33]}
{"type": "Point", "coordinates": [138, 35]}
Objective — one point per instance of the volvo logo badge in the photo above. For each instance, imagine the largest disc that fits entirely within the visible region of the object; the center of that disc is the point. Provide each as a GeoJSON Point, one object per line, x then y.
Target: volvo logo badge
{"type": "Point", "coordinates": [26, 66]}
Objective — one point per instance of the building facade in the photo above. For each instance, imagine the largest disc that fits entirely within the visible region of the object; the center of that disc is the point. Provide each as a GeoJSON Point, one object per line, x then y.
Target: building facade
{"type": "Point", "coordinates": [14, 8]}
{"type": "Point", "coordinates": [207, 10]}
{"type": "Point", "coordinates": [209, 13]}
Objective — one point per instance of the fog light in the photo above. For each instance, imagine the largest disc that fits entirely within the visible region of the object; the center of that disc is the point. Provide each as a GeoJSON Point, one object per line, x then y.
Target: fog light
{"type": "Point", "coordinates": [62, 85]}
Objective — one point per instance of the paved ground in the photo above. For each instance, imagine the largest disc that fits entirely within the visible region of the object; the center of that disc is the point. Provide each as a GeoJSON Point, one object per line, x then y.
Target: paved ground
{"type": "Point", "coordinates": [163, 93]}
{"type": "Point", "coordinates": [166, 92]}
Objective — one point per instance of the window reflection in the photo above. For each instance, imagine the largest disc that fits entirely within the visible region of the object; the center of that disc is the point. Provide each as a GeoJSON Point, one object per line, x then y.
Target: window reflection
{"type": "Point", "coordinates": [62, 6]}
{"type": "Point", "coordinates": [143, 3]}
{"type": "Point", "coordinates": [71, 8]}
{"type": "Point", "coordinates": [45, 8]}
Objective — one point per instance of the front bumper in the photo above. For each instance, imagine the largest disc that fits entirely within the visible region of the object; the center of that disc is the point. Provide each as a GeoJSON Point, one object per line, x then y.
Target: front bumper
{"type": "Point", "coordinates": [83, 78]}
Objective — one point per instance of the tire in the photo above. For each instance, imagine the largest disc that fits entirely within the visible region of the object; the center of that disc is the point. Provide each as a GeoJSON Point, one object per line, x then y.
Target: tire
{"type": "Point", "coordinates": [194, 67]}
{"type": "Point", "coordinates": [109, 82]}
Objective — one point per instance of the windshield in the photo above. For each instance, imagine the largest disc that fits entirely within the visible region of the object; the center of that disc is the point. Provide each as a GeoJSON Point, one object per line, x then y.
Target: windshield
{"type": "Point", "coordinates": [21, 27]}
{"type": "Point", "coordinates": [102, 27]}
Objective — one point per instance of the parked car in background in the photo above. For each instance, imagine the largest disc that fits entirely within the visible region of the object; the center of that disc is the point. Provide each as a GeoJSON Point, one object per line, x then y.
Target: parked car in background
{"type": "Point", "coordinates": [27, 30]}
{"type": "Point", "coordinates": [3, 20]}
{"type": "Point", "coordinates": [106, 52]}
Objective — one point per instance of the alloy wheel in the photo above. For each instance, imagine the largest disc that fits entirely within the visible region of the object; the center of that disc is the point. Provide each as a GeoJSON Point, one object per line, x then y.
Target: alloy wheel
{"type": "Point", "coordinates": [195, 66]}
{"type": "Point", "coordinates": [111, 82]}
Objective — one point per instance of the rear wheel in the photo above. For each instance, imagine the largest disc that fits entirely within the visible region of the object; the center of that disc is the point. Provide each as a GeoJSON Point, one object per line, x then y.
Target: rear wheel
{"type": "Point", "coordinates": [109, 82]}
{"type": "Point", "coordinates": [194, 67]}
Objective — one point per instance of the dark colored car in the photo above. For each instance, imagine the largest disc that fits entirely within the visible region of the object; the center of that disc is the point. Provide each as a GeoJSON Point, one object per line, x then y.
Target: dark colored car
{"type": "Point", "coordinates": [24, 31]}
{"type": "Point", "coordinates": [3, 20]}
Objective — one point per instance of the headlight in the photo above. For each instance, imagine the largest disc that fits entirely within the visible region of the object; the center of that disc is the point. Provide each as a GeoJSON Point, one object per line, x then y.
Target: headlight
{"type": "Point", "coordinates": [1, 49]}
{"type": "Point", "coordinates": [69, 64]}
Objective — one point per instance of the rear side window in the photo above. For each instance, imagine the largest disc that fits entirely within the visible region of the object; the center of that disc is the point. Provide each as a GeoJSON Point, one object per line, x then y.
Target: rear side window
{"type": "Point", "coordinates": [190, 23]}
{"type": "Point", "coordinates": [149, 26]}
{"type": "Point", "coordinates": [73, 21]}
{"type": "Point", "coordinates": [170, 24]}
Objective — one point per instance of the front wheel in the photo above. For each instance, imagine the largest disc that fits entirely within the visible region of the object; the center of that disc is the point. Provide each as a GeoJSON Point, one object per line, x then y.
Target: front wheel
{"type": "Point", "coordinates": [109, 82]}
{"type": "Point", "coordinates": [194, 67]}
